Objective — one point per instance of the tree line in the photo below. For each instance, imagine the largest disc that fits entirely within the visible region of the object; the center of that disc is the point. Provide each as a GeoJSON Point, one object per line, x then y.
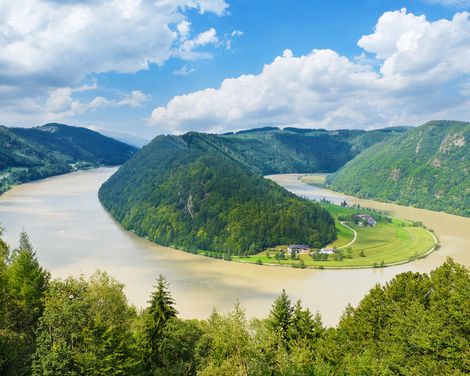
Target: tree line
{"type": "Point", "coordinates": [417, 324]}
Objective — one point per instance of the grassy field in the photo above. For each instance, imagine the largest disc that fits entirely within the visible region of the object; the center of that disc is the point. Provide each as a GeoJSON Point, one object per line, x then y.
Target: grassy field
{"type": "Point", "coordinates": [391, 241]}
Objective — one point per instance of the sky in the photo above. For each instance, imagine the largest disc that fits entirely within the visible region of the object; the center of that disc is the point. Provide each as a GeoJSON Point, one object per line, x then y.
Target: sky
{"type": "Point", "coordinates": [149, 67]}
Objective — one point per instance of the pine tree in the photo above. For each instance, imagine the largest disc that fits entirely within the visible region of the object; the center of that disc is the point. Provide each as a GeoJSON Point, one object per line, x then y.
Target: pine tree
{"type": "Point", "coordinates": [305, 326]}
{"type": "Point", "coordinates": [160, 311]}
{"type": "Point", "coordinates": [27, 283]}
{"type": "Point", "coordinates": [280, 317]}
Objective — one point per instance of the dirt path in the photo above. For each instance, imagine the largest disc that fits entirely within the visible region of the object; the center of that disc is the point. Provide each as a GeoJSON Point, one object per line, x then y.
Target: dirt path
{"type": "Point", "coordinates": [354, 239]}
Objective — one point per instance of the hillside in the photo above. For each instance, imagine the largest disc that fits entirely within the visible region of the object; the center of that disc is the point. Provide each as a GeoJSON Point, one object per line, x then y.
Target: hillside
{"type": "Point", "coordinates": [183, 192]}
{"type": "Point", "coordinates": [428, 167]}
{"type": "Point", "coordinates": [32, 153]}
{"type": "Point", "coordinates": [272, 150]}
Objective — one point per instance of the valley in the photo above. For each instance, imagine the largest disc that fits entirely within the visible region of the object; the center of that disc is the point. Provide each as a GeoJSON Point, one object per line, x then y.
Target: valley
{"type": "Point", "coordinates": [73, 234]}
{"type": "Point", "coordinates": [28, 154]}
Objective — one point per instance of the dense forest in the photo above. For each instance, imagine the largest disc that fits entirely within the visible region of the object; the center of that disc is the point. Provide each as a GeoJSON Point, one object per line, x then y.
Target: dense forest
{"type": "Point", "coordinates": [28, 154]}
{"type": "Point", "coordinates": [177, 191]}
{"type": "Point", "coordinates": [271, 150]}
{"type": "Point", "coordinates": [417, 324]}
{"type": "Point", "coordinates": [427, 167]}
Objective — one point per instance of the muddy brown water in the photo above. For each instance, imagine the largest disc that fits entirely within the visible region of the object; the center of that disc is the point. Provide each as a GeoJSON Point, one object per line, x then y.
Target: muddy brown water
{"type": "Point", "coordinates": [73, 234]}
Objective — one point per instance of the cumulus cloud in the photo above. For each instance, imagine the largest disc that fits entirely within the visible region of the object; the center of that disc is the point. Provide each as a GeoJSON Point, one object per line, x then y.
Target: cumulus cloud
{"type": "Point", "coordinates": [202, 39]}
{"type": "Point", "coordinates": [60, 105]}
{"type": "Point", "coordinates": [412, 70]}
{"type": "Point", "coordinates": [51, 44]}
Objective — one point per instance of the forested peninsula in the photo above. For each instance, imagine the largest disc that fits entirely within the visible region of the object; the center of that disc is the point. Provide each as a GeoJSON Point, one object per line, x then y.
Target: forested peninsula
{"type": "Point", "coordinates": [177, 191]}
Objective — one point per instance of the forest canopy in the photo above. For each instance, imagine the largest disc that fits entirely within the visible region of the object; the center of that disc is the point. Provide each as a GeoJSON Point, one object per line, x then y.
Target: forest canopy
{"type": "Point", "coordinates": [177, 192]}
{"type": "Point", "coordinates": [427, 167]}
{"type": "Point", "coordinates": [416, 324]}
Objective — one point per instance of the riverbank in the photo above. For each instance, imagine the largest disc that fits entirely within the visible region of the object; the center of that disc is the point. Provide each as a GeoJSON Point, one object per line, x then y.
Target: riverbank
{"type": "Point", "coordinates": [390, 241]}
{"type": "Point", "coordinates": [72, 234]}
{"type": "Point", "coordinates": [12, 177]}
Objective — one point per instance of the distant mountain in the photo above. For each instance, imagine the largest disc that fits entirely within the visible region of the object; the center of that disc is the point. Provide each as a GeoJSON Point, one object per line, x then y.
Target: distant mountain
{"type": "Point", "coordinates": [194, 193]}
{"type": "Point", "coordinates": [32, 153]}
{"type": "Point", "coordinates": [428, 167]}
{"type": "Point", "coordinates": [271, 150]}
{"type": "Point", "coordinates": [126, 138]}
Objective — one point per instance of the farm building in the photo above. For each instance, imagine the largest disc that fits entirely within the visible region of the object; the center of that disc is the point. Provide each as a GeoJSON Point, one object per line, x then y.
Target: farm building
{"type": "Point", "coordinates": [299, 249]}
{"type": "Point", "coordinates": [367, 218]}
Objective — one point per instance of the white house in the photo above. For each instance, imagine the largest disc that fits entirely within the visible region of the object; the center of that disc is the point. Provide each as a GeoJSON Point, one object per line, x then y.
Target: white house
{"type": "Point", "coordinates": [299, 249]}
{"type": "Point", "coordinates": [326, 251]}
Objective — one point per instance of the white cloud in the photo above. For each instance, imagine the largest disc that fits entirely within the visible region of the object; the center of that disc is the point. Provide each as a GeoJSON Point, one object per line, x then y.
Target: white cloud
{"type": "Point", "coordinates": [218, 7]}
{"type": "Point", "coordinates": [451, 3]}
{"type": "Point", "coordinates": [202, 39]}
{"type": "Point", "coordinates": [415, 70]}
{"type": "Point", "coordinates": [184, 71]}
{"type": "Point", "coordinates": [60, 105]}
{"type": "Point", "coordinates": [184, 28]}
{"type": "Point", "coordinates": [51, 44]}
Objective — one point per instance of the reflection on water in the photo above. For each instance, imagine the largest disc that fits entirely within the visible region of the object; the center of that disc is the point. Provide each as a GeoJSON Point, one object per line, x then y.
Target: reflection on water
{"type": "Point", "coordinates": [73, 234]}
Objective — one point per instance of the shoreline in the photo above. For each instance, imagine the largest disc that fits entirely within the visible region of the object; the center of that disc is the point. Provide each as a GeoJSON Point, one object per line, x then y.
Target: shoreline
{"type": "Point", "coordinates": [56, 175]}
{"type": "Point", "coordinates": [401, 262]}
{"type": "Point", "coordinates": [371, 267]}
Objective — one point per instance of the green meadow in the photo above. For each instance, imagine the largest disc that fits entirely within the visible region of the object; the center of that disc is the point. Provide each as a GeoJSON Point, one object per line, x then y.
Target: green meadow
{"type": "Point", "coordinates": [391, 241]}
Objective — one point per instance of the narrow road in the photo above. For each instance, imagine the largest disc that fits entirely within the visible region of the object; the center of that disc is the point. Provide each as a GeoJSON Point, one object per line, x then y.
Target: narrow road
{"type": "Point", "coordinates": [354, 239]}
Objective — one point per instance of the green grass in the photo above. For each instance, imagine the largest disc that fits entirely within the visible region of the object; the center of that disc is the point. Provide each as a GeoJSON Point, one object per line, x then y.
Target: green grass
{"type": "Point", "coordinates": [385, 244]}
{"type": "Point", "coordinates": [345, 236]}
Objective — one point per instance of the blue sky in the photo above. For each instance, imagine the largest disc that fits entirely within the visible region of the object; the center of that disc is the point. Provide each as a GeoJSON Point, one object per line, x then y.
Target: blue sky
{"type": "Point", "coordinates": [164, 56]}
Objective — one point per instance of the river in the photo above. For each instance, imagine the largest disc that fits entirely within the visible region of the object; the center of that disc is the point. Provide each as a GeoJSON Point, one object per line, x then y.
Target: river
{"type": "Point", "coordinates": [73, 234]}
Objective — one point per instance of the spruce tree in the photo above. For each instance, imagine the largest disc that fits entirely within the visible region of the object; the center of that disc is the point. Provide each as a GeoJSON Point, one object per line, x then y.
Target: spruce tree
{"type": "Point", "coordinates": [160, 311]}
{"type": "Point", "coordinates": [305, 326]}
{"type": "Point", "coordinates": [27, 283]}
{"type": "Point", "coordinates": [280, 317]}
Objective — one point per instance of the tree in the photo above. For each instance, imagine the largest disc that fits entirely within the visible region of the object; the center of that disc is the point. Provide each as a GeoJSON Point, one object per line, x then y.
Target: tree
{"type": "Point", "coordinates": [60, 340]}
{"type": "Point", "coordinates": [6, 343]}
{"type": "Point", "coordinates": [304, 325]}
{"type": "Point", "coordinates": [27, 282]}
{"type": "Point", "coordinates": [86, 329]}
{"type": "Point", "coordinates": [157, 315]}
{"type": "Point", "coordinates": [228, 345]}
{"type": "Point", "coordinates": [179, 348]}
{"type": "Point", "coordinates": [280, 317]}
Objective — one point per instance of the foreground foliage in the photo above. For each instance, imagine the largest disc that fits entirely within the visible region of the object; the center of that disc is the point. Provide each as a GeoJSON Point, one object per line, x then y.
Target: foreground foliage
{"type": "Point", "coordinates": [417, 324]}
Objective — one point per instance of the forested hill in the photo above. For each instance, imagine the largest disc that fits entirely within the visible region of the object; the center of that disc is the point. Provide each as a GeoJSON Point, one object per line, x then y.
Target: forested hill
{"type": "Point", "coordinates": [182, 192]}
{"type": "Point", "coordinates": [32, 153]}
{"type": "Point", "coordinates": [272, 150]}
{"type": "Point", "coordinates": [427, 167]}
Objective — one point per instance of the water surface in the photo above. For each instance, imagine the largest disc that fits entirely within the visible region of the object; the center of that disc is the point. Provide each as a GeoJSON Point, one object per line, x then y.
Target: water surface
{"type": "Point", "coordinates": [73, 234]}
